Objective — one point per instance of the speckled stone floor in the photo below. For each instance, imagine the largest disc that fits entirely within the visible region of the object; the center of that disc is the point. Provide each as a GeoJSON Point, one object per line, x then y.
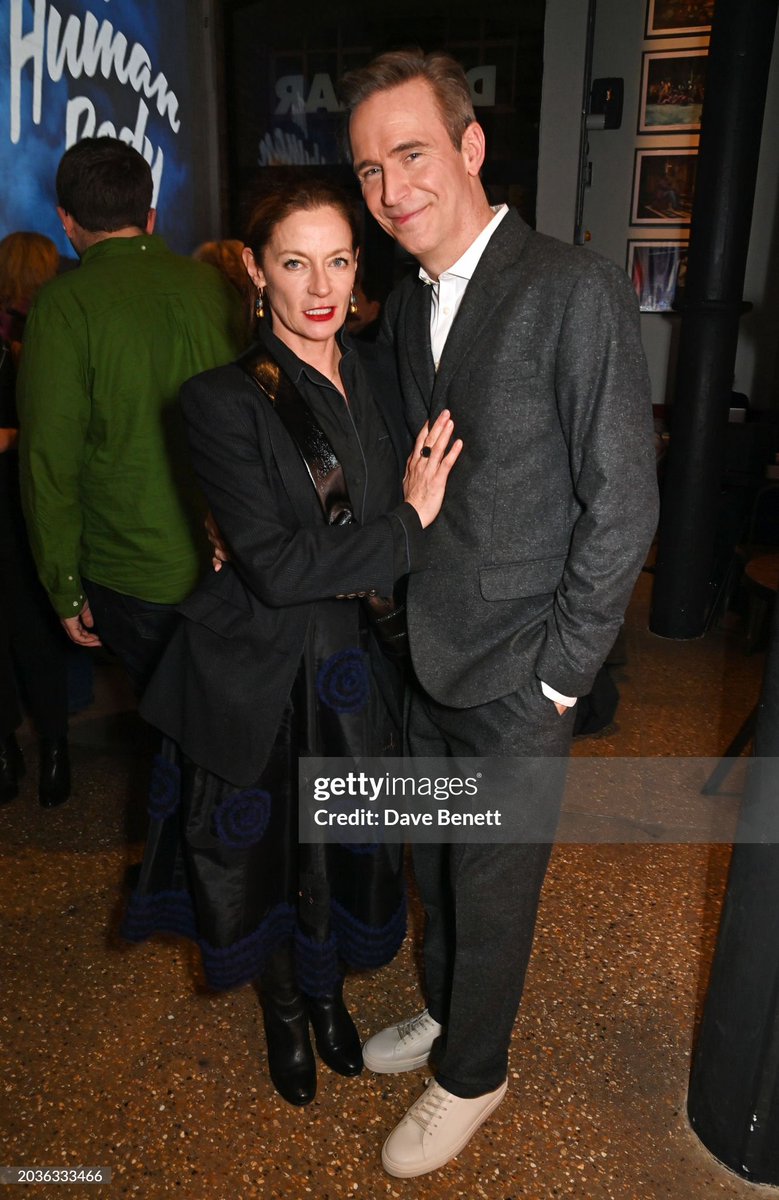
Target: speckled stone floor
{"type": "Point", "coordinates": [115, 1056]}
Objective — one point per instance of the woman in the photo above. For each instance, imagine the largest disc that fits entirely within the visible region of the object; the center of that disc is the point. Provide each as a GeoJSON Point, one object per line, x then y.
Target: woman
{"type": "Point", "coordinates": [27, 261]}
{"type": "Point", "coordinates": [299, 448]}
{"type": "Point", "coordinates": [33, 647]}
{"type": "Point", "coordinates": [226, 256]}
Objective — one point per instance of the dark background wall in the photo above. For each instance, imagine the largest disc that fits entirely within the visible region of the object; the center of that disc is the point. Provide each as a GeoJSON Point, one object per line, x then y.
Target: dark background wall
{"type": "Point", "coordinates": [282, 63]}
{"type": "Point", "coordinates": [253, 86]}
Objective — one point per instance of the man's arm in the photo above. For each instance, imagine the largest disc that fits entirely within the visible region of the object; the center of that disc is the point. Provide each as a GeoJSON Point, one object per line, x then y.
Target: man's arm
{"type": "Point", "coordinates": [54, 412]}
{"type": "Point", "coordinates": [605, 411]}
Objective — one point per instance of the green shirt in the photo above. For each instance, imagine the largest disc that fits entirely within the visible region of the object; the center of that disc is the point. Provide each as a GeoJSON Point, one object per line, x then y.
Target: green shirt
{"type": "Point", "coordinates": [106, 484]}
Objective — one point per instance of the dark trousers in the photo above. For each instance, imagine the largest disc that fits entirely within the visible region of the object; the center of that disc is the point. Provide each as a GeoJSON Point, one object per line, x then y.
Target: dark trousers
{"type": "Point", "coordinates": [481, 900]}
{"type": "Point", "coordinates": [33, 649]}
{"type": "Point", "coordinates": [136, 631]}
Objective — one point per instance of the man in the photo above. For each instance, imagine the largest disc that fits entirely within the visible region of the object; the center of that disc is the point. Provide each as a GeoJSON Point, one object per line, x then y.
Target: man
{"type": "Point", "coordinates": [534, 348]}
{"type": "Point", "coordinates": [109, 499]}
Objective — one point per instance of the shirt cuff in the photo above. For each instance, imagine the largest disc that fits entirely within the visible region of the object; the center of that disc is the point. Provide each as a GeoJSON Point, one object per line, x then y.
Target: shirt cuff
{"type": "Point", "coordinates": [551, 694]}
{"type": "Point", "coordinates": [408, 538]}
{"type": "Point", "coordinates": [68, 599]}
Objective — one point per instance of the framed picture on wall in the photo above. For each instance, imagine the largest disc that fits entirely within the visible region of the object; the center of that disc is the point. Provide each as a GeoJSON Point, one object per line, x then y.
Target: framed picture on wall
{"type": "Point", "coordinates": [657, 271]}
{"type": "Point", "coordinates": [663, 187]}
{"type": "Point", "coordinates": [667, 18]}
{"type": "Point", "coordinates": [672, 88]}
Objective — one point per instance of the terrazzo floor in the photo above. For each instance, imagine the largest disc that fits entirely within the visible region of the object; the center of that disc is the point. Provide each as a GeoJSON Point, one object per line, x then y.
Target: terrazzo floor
{"type": "Point", "coordinates": [115, 1056]}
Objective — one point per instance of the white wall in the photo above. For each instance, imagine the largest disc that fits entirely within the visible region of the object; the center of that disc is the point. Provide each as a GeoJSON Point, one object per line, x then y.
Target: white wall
{"type": "Point", "coordinates": [619, 36]}
{"type": "Point", "coordinates": [561, 105]}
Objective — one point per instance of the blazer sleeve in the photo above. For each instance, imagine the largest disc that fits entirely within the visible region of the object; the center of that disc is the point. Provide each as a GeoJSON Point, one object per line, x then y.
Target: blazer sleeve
{"type": "Point", "coordinates": [283, 559]}
{"type": "Point", "coordinates": [604, 407]}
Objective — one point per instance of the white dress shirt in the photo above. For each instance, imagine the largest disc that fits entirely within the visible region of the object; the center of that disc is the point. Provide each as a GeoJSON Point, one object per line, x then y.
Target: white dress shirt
{"type": "Point", "coordinates": [447, 294]}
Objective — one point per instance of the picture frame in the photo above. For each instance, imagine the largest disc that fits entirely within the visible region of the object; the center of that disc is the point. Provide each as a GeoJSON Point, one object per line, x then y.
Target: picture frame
{"type": "Point", "coordinates": [673, 84]}
{"type": "Point", "coordinates": [674, 18]}
{"type": "Point", "coordinates": [663, 186]}
{"type": "Point", "coordinates": [657, 270]}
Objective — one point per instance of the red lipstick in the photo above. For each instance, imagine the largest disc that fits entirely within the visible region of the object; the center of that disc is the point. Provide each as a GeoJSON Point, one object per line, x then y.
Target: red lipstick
{"type": "Point", "coordinates": [320, 314]}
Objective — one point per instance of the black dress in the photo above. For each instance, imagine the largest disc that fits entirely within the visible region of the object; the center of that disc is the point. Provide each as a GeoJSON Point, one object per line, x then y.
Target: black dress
{"type": "Point", "coordinates": [223, 865]}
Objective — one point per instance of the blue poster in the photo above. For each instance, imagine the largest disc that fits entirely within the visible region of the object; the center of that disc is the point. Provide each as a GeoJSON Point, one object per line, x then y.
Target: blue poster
{"type": "Point", "coordinates": [84, 68]}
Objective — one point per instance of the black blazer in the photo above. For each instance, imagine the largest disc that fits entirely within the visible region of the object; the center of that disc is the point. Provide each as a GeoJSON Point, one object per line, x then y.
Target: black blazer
{"type": "Point", "coordinates": [227, 673]}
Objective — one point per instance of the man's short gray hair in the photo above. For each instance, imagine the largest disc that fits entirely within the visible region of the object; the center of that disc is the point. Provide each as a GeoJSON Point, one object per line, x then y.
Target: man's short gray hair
{"type": "Point", "coordinates": [444, 74]}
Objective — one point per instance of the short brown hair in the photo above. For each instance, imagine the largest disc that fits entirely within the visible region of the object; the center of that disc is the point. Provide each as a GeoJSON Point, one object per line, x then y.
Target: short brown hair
{"type": "Point", "coordinates": [105, 185]}
{"type": "Point", "coordinates": [444, 74]}
{"type": "Point", "coordinates": [292, 191]}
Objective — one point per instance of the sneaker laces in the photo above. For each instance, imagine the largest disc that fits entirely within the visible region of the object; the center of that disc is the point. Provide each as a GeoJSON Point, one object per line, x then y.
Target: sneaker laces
{"type": "Point", "coordinates": [430, 1105]}
{"type": "Point", "coordinates": [412, 1024]}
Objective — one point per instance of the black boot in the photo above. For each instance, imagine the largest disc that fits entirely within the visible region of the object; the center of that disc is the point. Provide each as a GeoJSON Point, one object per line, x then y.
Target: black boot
{"type": "Point", "coordinates": [11, 768]}
{"type": "Point", "coordinates": [291, 1059]}
{"type": "Point", "coordinates": [337, 1039]}
{"type": "Point", "coordinates": [54, 775]}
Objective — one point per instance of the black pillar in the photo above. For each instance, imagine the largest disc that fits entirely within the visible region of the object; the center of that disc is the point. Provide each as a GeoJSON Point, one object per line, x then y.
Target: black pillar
{"type": "Point", "coordinates": [736, 81]}
{"type": "Point", "coordinates": [733, 1101]}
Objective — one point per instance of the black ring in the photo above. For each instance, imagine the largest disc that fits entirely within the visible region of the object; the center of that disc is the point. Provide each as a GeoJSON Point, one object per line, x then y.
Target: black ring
{"type": "Point", "coordinates": [425, 452]}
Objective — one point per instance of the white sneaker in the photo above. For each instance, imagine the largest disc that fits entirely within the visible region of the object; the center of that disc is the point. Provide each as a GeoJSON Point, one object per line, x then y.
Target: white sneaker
{"type": "Point", "coordinates": [436, 1128]}
{"type": "Point", "coordinates": [402, 1047]}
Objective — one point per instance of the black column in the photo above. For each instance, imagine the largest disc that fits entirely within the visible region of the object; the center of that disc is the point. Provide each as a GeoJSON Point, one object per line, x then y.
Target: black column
{"type": "Point", "coordinates": [736, 81]}
{"type": "Point", "coordinates": [733, 1101]}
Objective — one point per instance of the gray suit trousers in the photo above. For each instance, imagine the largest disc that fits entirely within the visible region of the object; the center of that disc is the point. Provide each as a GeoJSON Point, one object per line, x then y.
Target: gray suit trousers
{"type": "Point", "coordinates": [481, 900]}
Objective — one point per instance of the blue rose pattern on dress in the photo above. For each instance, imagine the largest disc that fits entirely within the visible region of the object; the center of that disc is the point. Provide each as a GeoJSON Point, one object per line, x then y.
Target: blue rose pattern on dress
{"type": "Point", "coordinates": [242, 818]}
{"type": "Point", "coordinates": [343, 682]}
{"type": "Point", "coordinates": [164, 788]}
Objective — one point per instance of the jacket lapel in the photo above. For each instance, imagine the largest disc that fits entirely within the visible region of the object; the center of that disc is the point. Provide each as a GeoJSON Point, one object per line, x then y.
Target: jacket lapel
{"type": "Point", "coordinates": [418, 355]}
{"type": "Point", "coordinates": [379, 365]}
{"type": "Point", "coordinates": [482, 302]}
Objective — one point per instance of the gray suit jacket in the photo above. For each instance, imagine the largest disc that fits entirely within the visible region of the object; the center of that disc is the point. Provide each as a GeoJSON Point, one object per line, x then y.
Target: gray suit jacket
{"type": "Point", "coordinates": [551, 507]}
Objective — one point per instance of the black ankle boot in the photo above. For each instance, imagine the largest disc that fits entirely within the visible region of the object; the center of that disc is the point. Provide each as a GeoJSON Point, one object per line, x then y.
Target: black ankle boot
{"type": "Point", "coordinates": [291, 1059]}
{"type": "Point", "coordinates": [11, 768]}
{"type": "Point", "coordinates": [54, 775]}
{"type": "Point", "coordinates": [337, 1040]}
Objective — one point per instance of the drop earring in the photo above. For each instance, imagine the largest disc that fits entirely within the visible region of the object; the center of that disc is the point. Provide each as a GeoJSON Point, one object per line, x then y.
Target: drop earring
{"type": "Point", "coordinates": [352, 305]}
{"type": "Point", "coordinates": [259, 307]}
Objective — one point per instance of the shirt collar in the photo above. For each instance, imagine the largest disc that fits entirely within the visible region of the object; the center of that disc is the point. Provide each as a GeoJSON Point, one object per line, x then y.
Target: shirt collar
{"type": "Point", "coordinates": [468, 262]}
{"type": "Point", "coordinates": [291, 365]}
{"type": "Point", "coordinates": [150, 243]}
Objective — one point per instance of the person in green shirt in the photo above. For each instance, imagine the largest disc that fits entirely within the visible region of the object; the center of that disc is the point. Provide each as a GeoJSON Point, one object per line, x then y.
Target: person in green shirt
{"type": "Point", "coordinates": [114, 515]}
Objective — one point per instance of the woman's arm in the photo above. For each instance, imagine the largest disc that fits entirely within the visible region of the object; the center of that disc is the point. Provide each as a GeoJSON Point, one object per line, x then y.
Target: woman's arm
{"type": "Point", "coordinates": [282, 561]}
{"type": "Point", "coordinates": [424, 482]}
